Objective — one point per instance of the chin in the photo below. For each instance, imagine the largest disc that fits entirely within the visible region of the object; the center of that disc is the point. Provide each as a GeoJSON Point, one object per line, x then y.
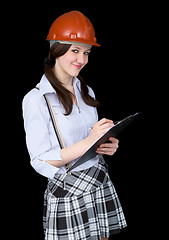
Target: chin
{"type": "Point", "coordinates": [75, 74]}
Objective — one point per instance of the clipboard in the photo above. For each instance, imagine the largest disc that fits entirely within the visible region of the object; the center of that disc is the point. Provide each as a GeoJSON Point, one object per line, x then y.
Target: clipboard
{"type": "Point", "coordinates": [112, 132]}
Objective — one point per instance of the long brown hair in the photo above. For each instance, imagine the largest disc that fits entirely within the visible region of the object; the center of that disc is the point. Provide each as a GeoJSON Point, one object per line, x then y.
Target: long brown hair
{"type": "Point", "coordinates": [64, 95]}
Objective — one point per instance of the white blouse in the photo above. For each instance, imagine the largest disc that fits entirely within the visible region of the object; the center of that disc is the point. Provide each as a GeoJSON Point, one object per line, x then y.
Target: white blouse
{"type": "Point", "coordinates": [40, 136]}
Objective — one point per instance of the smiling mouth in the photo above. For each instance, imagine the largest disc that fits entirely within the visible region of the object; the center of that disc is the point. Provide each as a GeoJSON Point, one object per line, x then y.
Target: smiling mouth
{"type": "Point", "coordinates": [77, 66]}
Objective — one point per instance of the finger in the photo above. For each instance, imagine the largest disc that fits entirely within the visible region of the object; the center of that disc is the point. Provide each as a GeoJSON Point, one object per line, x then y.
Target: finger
{"type": "Point", "coordinates": [108, 145]}
{"type": "Point", "coordinates": [107, 151]}
{"type": "Point", "coordinates": [104, 120]}
{"type": "Point", "coordinates": [113, 140]}
{"type": "Point", "coordinates": [106, 125]}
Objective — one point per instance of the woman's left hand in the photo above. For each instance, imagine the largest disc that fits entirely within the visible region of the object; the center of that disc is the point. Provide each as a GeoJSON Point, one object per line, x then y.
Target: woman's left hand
{"type": "Point", "coordinates": [108, 148]}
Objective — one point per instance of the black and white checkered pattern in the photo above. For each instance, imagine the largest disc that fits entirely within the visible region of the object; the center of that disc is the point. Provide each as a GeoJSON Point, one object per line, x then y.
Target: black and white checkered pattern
{"type": "Point", "coordinates": [82, 206]}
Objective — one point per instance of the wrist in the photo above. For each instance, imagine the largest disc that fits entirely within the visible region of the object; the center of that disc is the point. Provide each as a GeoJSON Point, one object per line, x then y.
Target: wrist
{"type": "Point", "coordinates": [89, 141]}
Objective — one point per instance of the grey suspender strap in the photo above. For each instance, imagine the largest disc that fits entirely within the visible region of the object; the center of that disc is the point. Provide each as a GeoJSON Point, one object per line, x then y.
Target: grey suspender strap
{"type": "Point", "coordinates": [54, 122]}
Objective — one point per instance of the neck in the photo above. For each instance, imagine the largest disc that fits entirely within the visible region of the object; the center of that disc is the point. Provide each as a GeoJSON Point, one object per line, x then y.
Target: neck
{"type": "Point", "coordinates": [67, 82]}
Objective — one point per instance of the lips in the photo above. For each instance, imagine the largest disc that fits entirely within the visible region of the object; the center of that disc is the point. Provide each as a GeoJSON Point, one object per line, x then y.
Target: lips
{"type": "Point", "coordinates": [77, 66]}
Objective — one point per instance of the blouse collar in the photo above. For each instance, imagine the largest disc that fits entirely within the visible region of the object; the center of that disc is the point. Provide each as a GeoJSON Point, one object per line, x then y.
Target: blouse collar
{"type": "Point", "coordinates": [46, 87]}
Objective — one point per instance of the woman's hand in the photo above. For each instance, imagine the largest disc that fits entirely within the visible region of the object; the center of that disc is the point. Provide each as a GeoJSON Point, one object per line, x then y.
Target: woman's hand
{"type": "Point", "coordinates": [108, 148]}
{"type": "Point", "coordinates": [78, 149]}
{"type": "Point", "coordinates": [99, 129]}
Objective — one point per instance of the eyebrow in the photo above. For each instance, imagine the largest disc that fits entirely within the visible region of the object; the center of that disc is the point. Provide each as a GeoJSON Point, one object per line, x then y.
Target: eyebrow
{"type": "Point", "coordinates": [85, 51]}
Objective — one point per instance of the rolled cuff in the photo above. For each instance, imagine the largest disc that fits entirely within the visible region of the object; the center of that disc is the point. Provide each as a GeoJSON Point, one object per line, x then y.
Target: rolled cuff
{"type": "Point", "coordinates": [51, 155]}
{"type": "Point", "coordinates": [42, 167]}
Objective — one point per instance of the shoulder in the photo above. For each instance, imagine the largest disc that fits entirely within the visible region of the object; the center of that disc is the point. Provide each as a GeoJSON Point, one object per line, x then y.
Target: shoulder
{"type": "Point", "coordinates": [36, 95]}
{"type": "Point", "coordinates": [33, 102]}
{"type": "Point", "coordinates": [32, 96]}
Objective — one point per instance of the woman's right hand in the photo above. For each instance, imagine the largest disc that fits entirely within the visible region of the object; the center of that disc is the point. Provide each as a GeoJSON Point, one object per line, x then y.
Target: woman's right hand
{"type": "Point", "coordinates": [76, 150]}
{"type": "Point", "coordinates": [99, 129]}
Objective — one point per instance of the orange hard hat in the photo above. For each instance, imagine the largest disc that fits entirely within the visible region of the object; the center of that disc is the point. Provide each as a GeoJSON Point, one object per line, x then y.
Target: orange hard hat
{"type": "Point", "coordinates": [73, 27]}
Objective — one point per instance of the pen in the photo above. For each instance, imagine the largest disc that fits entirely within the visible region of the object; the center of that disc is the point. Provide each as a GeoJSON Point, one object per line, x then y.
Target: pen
{"type": "Point", "coordinates": [114, 124]}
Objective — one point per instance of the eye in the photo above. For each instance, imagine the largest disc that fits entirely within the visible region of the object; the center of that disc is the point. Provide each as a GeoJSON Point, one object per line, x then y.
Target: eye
{"type": "Point", "coordinates": [75, 51]}
{"type": "Point", "coordinates": [86, 53]}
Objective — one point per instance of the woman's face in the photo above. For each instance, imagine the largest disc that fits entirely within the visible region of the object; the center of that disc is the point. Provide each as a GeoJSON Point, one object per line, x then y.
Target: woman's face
{"type": "Point", "coordinates": [72, 61]}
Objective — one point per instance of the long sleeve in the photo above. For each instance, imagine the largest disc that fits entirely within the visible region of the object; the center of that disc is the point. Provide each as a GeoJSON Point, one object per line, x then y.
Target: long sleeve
{"type": "Point", "coordinates": [36, 121]}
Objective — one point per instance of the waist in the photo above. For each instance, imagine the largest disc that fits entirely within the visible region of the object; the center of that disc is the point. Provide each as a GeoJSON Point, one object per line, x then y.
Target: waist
{"type": "Point", "coordinates": [78, 182]}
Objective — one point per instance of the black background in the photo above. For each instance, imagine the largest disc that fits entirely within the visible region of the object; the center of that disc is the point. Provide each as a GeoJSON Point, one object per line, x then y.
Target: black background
{"type": "Point", "coordinates": [122, 73]}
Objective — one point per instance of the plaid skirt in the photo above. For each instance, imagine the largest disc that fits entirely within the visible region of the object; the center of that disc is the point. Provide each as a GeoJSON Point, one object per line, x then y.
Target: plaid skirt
{"type": "Point", "coordinates": [82, 206]}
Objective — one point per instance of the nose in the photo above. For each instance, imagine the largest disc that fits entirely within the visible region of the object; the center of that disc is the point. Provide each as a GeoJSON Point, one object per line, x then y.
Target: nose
{"type": "Point", "coordinates": [81, 59]}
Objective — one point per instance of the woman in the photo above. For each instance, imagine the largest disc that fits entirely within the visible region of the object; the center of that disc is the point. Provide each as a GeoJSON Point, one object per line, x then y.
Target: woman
{"type": "Point", "coordinates": [83, 204]}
